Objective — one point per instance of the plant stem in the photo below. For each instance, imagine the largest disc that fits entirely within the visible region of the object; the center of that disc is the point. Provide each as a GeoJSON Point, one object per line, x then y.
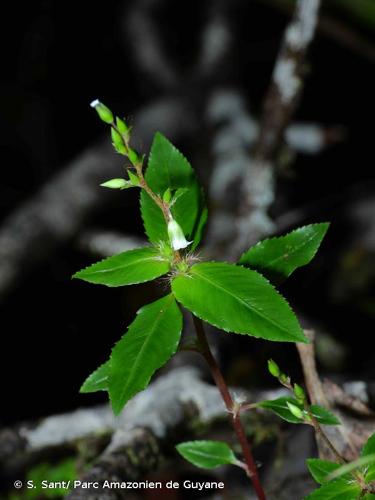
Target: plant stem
{"type": "Point", "coordinates": [319, 431]}
{"type": "Point", "coordinates": [251, 467]}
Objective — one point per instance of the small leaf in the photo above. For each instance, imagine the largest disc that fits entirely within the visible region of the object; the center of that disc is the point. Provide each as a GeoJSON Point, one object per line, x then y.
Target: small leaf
{"type": "Point", "coordinates": [198, 232]}
{"type": "Point", "coordinates": [98, 380]}
{"type": "Point", "coordinates": [115, 184]}
{"type": "Point", "coordinates": [207, 454]}
{"type": "Point", "coordinates": [127, 268]}
{"type": "Point", "coordinates": [320, 469]}
{"type": "Point", "coordinates": [369, 449]}
{"type": "Point", "coordinates": [167, 195]}
{"type": "Point", "coordinates": [324, 416]}
{"type": "Point", "coordinates": [237, 300]}
{"type": "Point", "coordinates": [341, 489]}
{"type": "Point", "coordinates": [281, 408]}
{"type": "Point", "coordinates": [150, 341]}
{"type": "Point", "coordinates": [134, 179]}
{"type": "Point", "coordinates": [278, 257]}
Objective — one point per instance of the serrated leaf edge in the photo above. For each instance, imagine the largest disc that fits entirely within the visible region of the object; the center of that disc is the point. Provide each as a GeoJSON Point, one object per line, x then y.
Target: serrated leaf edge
{"type": "Point", "coordinates": [307, 341]}
{"type": "Point", "coordinates": [295, 249]}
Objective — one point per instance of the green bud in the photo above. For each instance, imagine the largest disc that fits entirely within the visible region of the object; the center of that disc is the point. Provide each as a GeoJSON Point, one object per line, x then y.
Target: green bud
{"type": "Point", "coordinates": [104, 113]}
{"type": "Point", "coordinates": [167, 196]}
{"type": "Point", "coordinates": [121, 125]}
{"type": "Point", "coordinates": [273, 368]}
{"type": "Point", "coordinates": [133, 156]}
{"type": "Point", "coordinates": [284, 379]}
{"type": "Point", "coordinates": [299, 392]}
{"type": "Point", "coordinates": [294, 410]}
{"type": "Point", "coordinates": [116, 184]}
{"type": "Point", "coordinates": [118, 142]}
{"type": "Point", "coordinates": [134, 179]}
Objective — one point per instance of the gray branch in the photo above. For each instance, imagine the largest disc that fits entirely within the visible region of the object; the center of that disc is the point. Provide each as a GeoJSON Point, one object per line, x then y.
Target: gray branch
{"type": "Point", "coordinates": [279, 106]}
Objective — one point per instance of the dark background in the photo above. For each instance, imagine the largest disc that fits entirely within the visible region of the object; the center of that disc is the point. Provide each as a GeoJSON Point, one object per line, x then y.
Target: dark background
{"type": "Point", "coordinates": [56, 58]}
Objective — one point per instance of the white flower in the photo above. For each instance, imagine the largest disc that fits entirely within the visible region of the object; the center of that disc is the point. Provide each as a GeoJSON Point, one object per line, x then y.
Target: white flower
{"type": "Point", "coordinates": [176, 236]}
{"type": "Point", "coordinates": [94, 103]}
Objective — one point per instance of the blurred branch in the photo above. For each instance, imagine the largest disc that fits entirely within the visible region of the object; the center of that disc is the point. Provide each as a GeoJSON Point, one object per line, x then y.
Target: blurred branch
{"type": "Point", "coordinates": [105, 243]}
{"type": "Point", "coordinates": [235, 133]}
{"type": "Point", "coordinates": [335, 29]}
{"type": "Point", "coordinates": [144, 38]}
{"type": "Point", "coordinates": [279, 106]}
{"type": "Point", "coordinates": [357, 421]}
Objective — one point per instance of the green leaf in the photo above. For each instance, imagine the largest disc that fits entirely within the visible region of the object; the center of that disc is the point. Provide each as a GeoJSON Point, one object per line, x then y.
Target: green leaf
{"type": "Point", "coordinates": [134, 179]}
{"type": "Point", "coordinates": [98, 380]}
{"type": "Point", "coordinates": [369, 449]}
{"type": "Point", "coordinates": [151, 340]}
{"type": "Point", "coordinates": [341, 489]}
{"type": "Point", "coordinates": [198, 233]}
{"type": "Point", "coordinates": [281, 408]}
{"type": "Point", "coordinates": [127, 268]}
{"type": "Point", "coordinates": [320, 469]}
{"type": "Point", "coordinates": [278, 257]}
{"type": "Point", "coordinates": [324, 416]}
{"type": "Point", "coordinates": [167, 196]}
{"type": "Point", "coordinates": [169, 169]}
{"type": "Point", "coordinates": [54, 473]}
{"type": "Point", "coordinates": [237, 300]}
{"type": "Point", "coordinates": [207, 454]}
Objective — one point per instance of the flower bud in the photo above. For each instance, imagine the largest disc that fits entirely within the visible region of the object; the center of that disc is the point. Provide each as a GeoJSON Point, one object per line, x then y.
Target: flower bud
{"type": "Point", "coordinates": [116, 184]}
{"type": "Point", "coordinates": [118, 142]}
{"type": "Point", "coordinates": [133, 156]}
{"type": "Point", "coordinates": [122, 126]}
{"type": "Point", "coordinates": [284, 379]}
{"type": "Point", "coordinates": [299, 392]}
{"type": "Point", "coordinates": [273, 368]}
{"type": "Point", "coordinates": [176, 236]}
{"type": "Point", "coordinates": [294, 410]}
{"type": "Point", "coordinates": [104, 113]}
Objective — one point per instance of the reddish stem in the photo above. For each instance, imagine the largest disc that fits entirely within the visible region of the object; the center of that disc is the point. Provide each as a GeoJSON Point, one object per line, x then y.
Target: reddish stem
{"type": "Point", "coordinates": [251, 467]}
